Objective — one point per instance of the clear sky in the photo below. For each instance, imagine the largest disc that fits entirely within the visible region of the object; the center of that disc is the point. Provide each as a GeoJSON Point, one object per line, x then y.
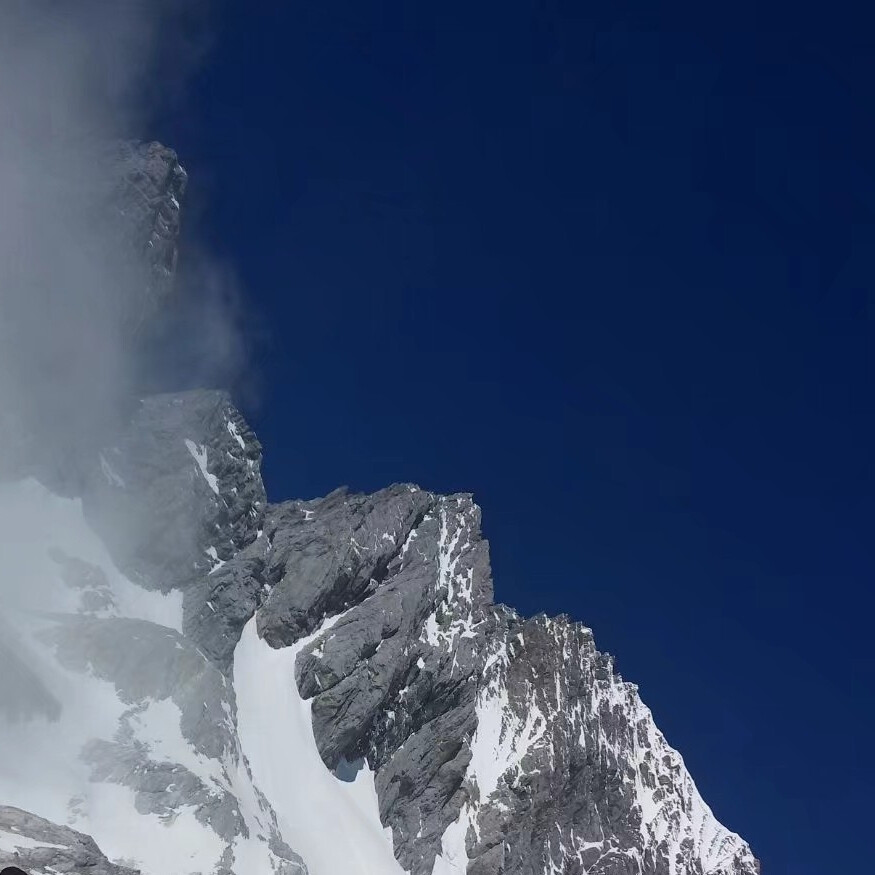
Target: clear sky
{"type": "Point", "coordinates": [610, 270]}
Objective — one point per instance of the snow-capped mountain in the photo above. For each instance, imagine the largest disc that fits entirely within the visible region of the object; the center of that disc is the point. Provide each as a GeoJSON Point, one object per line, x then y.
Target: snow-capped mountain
{"type": "Point", "coordinates": [194, 679]}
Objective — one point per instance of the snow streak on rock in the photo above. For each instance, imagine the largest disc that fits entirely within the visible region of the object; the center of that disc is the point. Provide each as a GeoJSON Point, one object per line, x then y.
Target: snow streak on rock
{"type": "Point", "coordinates": [581, 719]}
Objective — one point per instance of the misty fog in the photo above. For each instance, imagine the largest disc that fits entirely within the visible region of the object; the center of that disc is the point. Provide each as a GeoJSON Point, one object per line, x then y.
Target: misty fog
{"type": "Point", "coordinates": [83, 325]}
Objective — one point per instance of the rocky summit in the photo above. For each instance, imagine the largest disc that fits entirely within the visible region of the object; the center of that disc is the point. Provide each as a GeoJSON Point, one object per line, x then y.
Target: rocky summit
{"type": "Point", "coordinates": [202, 680]}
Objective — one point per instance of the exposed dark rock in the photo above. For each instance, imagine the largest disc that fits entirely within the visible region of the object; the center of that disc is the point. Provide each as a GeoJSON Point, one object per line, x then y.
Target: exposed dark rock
{"type": "Point", "coordinates": [176, 497]}
{"type": "Point", "coordinates": [46, 847]}
{"type": "Point", "coordinates": [147, 185]}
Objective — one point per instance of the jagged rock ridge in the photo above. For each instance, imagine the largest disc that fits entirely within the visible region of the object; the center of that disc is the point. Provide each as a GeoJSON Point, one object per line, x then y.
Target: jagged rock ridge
{"type": "Point", "coordinates": [510, 742]}
{"type": "Point", "coordinates": [147, 184]}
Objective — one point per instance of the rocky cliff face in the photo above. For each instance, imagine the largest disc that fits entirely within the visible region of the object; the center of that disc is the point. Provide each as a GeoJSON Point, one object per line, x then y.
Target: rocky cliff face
{"type": "Point", "coordinates": [284, 686]}
{"type": "Point", "coordinates": [145, 185]}
{"type": "Point", "coordinates": [34, 844]}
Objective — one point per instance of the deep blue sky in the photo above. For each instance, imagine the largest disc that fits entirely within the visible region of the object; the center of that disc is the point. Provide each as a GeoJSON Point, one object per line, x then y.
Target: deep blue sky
{"type": "Point", "coordinates": [612, 272]}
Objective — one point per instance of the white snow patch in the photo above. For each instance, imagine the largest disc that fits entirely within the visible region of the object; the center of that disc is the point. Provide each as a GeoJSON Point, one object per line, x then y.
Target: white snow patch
{"type": "Point", "coordinates": [214, 558]}
{"type": "Point", "coordinates": [234, 432]}
{"type": "Point", "coordinates": [453, 858]}
{"type": "Point", "coordinates": [158, 726]}
{"type": "Point", "coordinates": [311, 804]}
{"type": "Point", "coordinates": [112, 477]}
{"type": "Point", "coordinates": [457, 607]}
{"type": "Point", "coordinates": [432, 630]}
{"type": "Point", "coordinates": [34, 524]}
{"type": "Point", "coordinates": [41, 771]}
{"type": "Point", "coordinates": [407, 542]}
{"type": "Point", "coordinates": [502, 739]}
{"type": "Point", "coordinates": [10, 842]}
{"type": "Point", "coordinates": [157, 849]}
{"type": "Point", "coordinates": [40, 767]}
{"type": "Point", "coordinates": [199, 454]}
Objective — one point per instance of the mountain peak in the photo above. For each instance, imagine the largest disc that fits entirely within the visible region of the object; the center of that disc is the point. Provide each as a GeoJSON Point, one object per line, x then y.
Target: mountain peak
{"type": "Point", "coordinates": [229, 685]}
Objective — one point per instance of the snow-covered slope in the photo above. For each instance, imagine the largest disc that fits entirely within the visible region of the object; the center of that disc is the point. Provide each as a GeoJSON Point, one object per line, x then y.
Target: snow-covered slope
{"type": "Point", "coordinates": [332, 820]}
{"type": "Point", "coordinates": [105, 734]}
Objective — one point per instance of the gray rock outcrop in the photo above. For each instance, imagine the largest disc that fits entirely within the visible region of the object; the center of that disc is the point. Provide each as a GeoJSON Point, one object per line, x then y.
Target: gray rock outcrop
{"type": "Point", "coordinates": [178, 497]}
{"type": "Point", "coordinates": [44, 848]}
{"type": "Point", "coordinates": [146, 186]}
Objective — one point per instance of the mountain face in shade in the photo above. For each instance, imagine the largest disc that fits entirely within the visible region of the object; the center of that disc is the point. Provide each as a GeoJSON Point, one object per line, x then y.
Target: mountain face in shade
{"type": "Point", "coordinates": [146, 185]}
{"type": "Point", "coordinates": [230, 685]}
{"type": "Point", "coordinates": [80, 290]}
